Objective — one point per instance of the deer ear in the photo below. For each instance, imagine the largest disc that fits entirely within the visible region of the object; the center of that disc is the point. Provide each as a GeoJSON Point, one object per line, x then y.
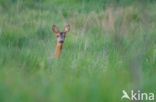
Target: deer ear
{"type": "Point", "coordinates": [54, 29]}
{"type": "Point", "coordinates": [67, 28]}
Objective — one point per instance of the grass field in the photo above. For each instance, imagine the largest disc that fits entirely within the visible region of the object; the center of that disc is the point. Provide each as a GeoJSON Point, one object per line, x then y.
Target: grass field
{"type": "Point", "coordinates": [111, 47]}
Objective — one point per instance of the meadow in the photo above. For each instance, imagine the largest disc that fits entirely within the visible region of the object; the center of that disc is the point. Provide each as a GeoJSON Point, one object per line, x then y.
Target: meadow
{"type": "Point", "coordinates": [111, 47]}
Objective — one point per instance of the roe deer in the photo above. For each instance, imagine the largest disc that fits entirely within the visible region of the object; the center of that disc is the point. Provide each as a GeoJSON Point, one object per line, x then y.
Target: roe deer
{"type": "Point", "coordinates": [60, 39]}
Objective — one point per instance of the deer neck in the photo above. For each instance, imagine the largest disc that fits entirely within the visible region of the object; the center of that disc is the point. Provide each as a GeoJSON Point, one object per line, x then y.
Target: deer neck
{"type": "Point", "coordinates": [58, 50]}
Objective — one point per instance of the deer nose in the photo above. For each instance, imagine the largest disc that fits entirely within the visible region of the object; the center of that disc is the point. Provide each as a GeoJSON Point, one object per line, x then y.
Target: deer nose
{"type": "Point", "coordinates": [61, 41]}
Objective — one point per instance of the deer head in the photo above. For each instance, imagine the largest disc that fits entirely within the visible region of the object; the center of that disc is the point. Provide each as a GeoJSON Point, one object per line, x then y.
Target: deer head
{"type": "Point", "coordinates": [60, 35]}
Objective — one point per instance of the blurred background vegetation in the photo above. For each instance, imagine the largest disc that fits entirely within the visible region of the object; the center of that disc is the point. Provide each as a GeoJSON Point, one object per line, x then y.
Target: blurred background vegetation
{"type": "Point", "coordinates": [111, 47]}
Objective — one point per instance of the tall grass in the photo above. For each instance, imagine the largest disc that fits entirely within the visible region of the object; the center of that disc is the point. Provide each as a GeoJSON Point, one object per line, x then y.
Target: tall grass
{"type": "Point", "coordinates": [111, 47]}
